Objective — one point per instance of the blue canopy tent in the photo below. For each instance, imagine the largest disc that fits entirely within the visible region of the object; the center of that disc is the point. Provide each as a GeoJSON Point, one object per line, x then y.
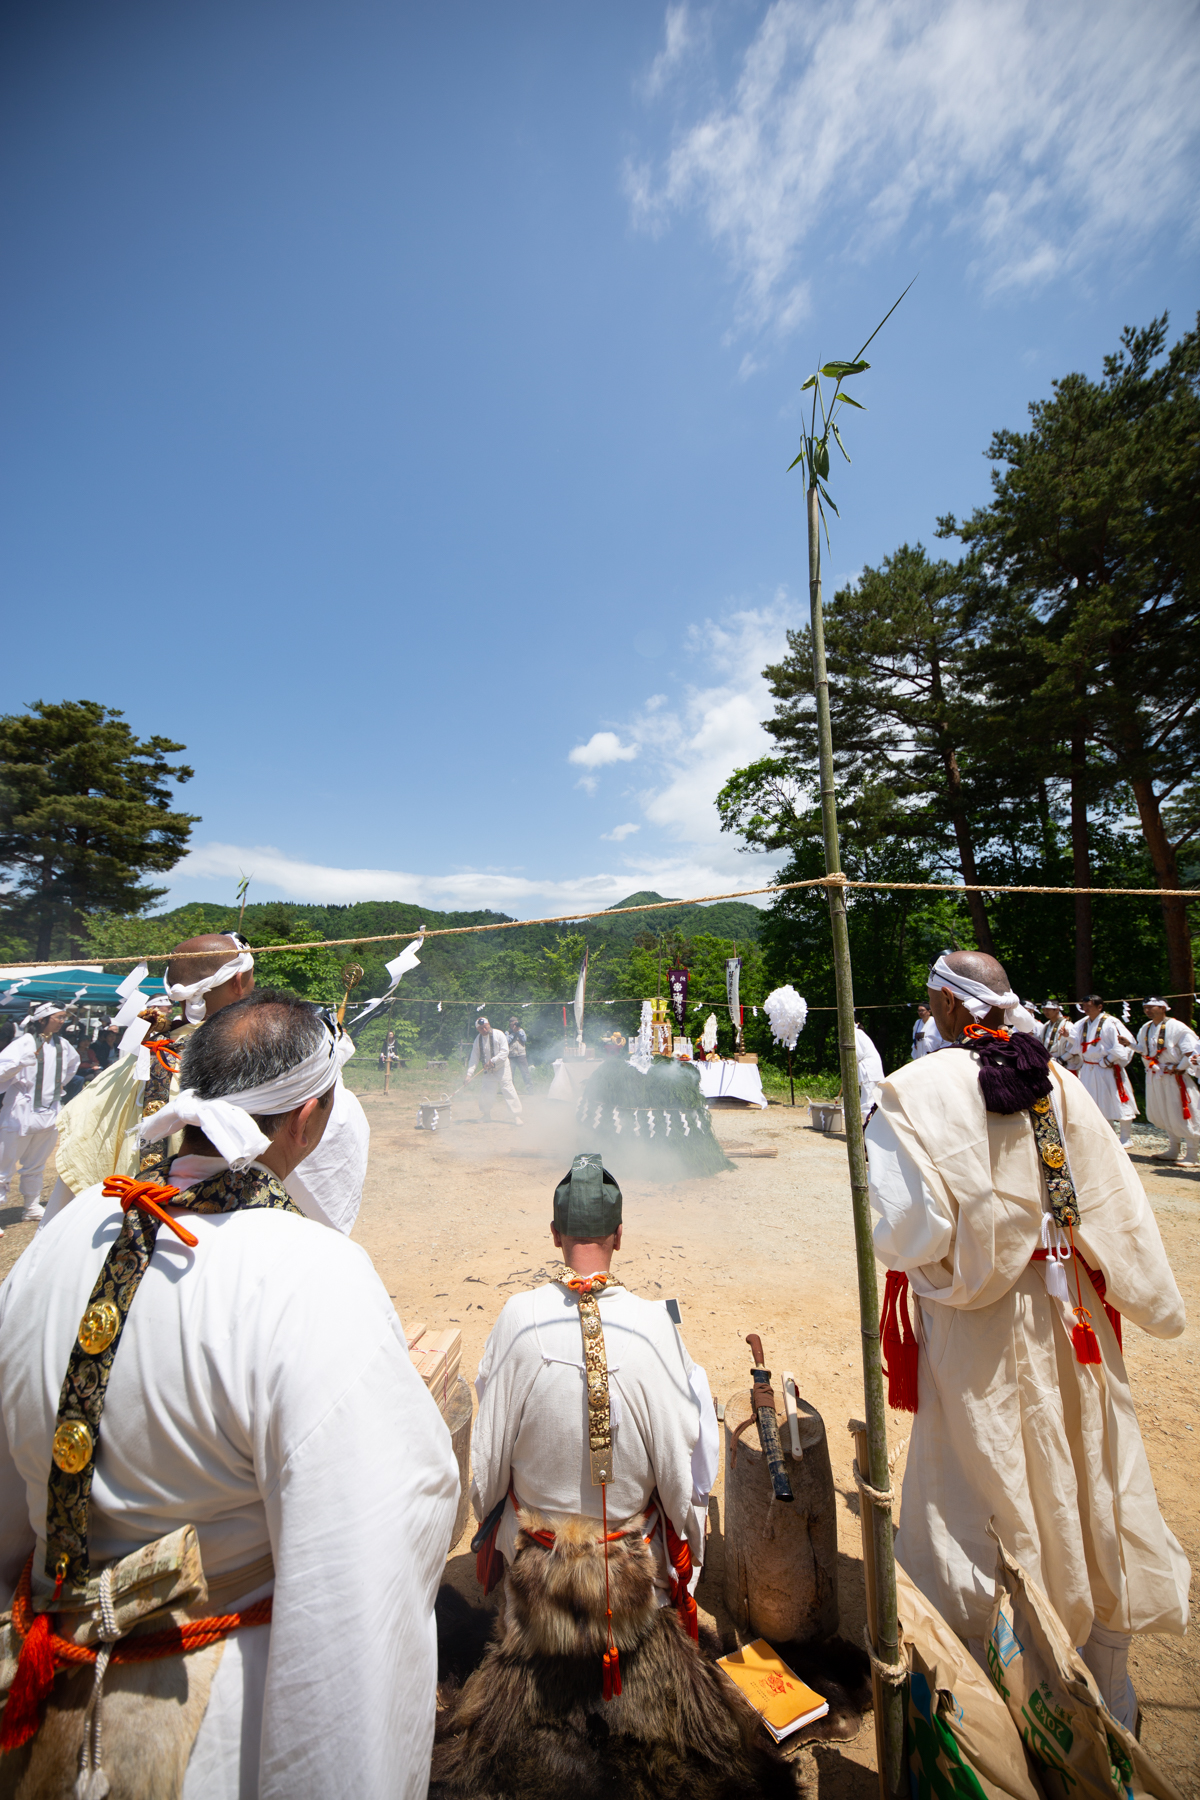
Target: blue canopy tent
{"type": "Point", "coordinates": [69, 986]}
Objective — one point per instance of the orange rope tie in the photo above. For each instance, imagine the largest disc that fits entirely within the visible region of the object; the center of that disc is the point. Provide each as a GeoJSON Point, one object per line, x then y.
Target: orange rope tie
{"type": "Point", "coordinates": [1083, 1336]}
{"type": "Point", "coordinates": [174, 1640]}
{"type": "Point", "coordinates": [149, 1197]}
{"type": "Point", "coordinates": [44, 1652]}
{"type": "Point", "coordinates": [610, 1681]}
{"type": "Point", "coordinates": [163, 1050]}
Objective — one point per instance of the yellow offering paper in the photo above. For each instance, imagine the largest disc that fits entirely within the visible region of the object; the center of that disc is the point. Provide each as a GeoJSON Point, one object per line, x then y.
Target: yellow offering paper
{"type": "Point", "coordinates": [784, 1702]}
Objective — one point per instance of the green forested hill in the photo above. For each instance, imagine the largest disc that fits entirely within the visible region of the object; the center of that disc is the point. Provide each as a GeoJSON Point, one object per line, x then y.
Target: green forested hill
{"type": "Point", "coordinates": [529, 968]}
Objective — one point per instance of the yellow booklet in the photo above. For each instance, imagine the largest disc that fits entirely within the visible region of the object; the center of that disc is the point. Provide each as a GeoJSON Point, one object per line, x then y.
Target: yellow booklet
{"type": "Point", "coordinates": [784, 1702]}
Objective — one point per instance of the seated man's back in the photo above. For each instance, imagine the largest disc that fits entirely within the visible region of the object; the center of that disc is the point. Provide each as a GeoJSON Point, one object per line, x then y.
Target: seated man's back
{"type": "Point", "coordinates": [532, 1433]}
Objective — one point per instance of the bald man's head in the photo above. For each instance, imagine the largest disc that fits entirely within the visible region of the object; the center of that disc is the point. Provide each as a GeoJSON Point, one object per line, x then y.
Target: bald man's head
{"type": "Point", "coordinates": [978, 967]}
{"type": "Point", "coordinates": [198, 958]}
{"type": "Point", "coordinates": [950, 1015]}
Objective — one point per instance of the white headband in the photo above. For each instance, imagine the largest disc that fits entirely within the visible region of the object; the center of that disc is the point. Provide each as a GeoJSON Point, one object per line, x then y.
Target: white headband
{"type": "Point", "coordinates": [41, 1012]}
{"type": "Point", "coordinates": [226, 1122]}
{"type": "Point", "coordinates": [191, 996]}
{"type": "Point", "coordinates": [1154, 1001]}
{"type": "Point", "coordinates": [975, 996]}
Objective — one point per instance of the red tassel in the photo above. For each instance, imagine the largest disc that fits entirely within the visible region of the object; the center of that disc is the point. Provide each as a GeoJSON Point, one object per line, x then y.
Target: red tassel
{"type": "Point", "coordinates": [31, 1684]}
{"type": "Point", "coordinates": [1084, 1339]}
{"type": "Point", "coordinates": [900, 1349]}
{"type": "Point", "coordinates": [610, 1681]}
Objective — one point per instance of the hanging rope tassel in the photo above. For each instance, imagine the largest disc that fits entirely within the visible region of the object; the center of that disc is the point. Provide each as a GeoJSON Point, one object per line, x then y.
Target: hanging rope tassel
{"type": "Point", "coordinates": [33, 1680]}
{"type": "Point", "coordinates": [610, 1680]}
{"type": "Point", "coordinates": [1083, 1337]}
{"type": "Point", "coordinates": [899, 1341]}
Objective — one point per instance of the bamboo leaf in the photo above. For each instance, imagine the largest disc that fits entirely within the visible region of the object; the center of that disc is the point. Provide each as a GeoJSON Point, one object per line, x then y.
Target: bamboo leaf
{"type": "Point", "coordinates": [838, 371]}
{"type": "Point", "coordinates": [837, 434]}
{"type": "Point", "coordinates": [847, 401]}
{"type": "Point", "coordinates": [820, 458]}
{"type": "Point", "coordinates": [811, 382]}
{"type": "Point", "coordinates": [825, 491]}
{"type": "Point", "coordinates": [791, 465]}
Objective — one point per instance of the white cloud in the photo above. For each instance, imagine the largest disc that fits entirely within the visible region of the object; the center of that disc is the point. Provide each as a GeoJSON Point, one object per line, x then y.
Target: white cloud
{"type": "Point", "coordinates": [602, 748]}
{"type": "Point", "coordinates": [688, 745]}
{"type": "Point", "coordinates": [679, 36]}
{"type": "Point", "coordinates": [1049, 135]}
{"type": "Point", "coordinates": [290, 878]}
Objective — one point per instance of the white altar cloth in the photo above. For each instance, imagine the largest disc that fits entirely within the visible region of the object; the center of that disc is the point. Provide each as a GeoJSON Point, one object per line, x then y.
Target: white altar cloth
{"type": "Point", "coordinates": [731, 1081]}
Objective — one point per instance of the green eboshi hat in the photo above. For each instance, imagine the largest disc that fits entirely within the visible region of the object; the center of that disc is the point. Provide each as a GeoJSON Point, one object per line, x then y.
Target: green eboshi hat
{"type": "Point", "coordinates": [587, 1201]}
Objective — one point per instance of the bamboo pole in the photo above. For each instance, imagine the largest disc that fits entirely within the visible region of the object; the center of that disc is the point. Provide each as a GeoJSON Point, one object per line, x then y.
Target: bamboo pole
{"type": "Point", "coordinates": [859, 1433]}
{"type": "Point", "coordinates": [887, 1641]}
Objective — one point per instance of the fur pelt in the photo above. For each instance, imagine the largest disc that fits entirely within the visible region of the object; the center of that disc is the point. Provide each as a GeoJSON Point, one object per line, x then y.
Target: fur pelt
{"type": "Point", "coordinates": [530, 1723]}
{"type": "Point", "coordinates": [151, 1713]}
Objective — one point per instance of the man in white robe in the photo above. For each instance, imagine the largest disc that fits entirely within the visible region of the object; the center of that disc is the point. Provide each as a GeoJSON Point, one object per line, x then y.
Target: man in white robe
{"type": "Point", "coordinates": [98, 1129]}
{"type": "Point", "coordinates": [34, 1071]}
{"type": "Point", "coordinates": [1104, 1050]}
{"type": "Point", "coordinates": [870, 1069]}
{"type": "Point", "coordinates": [1171, 1052]}
{"type": "Point", "coordinates": [262, 1392]}
{"type": "Point", "coordinates": [488, 1064]}
{"type": "Point", "coordinates": [1010, 1426]}
{"type": "Point", "coordinates": [1055, 1033]}
{"type": "Point", "coordinates": [531, 1434]}
{"type": "Point", "coordinates": [924, 1033]}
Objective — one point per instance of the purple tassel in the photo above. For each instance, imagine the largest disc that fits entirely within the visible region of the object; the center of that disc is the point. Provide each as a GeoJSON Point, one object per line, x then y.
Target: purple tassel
{"type": "Point", "coordinates": [1013, 1072]}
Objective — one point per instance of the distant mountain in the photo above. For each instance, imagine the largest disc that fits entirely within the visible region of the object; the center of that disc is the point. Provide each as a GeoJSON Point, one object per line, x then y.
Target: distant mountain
{"type": "Point", "coordinates": [735, 919]}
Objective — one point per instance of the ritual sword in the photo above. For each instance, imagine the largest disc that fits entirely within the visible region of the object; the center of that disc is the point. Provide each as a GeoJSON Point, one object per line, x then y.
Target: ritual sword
{"type": "Point", "coordinates": [762, 1399]}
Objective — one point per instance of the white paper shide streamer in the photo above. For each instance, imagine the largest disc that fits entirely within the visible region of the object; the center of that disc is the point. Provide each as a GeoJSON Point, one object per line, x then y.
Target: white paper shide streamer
{"type": "Point", "coordinates": [399, 965]}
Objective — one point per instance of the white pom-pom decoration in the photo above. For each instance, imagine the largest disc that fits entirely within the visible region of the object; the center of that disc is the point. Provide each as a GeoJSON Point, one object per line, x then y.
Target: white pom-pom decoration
{"type": "Point", "coordinates": [787, 1012]}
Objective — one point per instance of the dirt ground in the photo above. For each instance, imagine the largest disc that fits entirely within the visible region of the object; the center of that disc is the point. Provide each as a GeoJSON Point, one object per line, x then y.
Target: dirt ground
{"type": "Point", "coordinates": [458, 1219]}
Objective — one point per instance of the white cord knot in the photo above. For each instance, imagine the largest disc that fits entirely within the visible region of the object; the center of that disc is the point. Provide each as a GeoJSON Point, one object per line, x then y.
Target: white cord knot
{"type": "Point", "coordinates": [92, 1783]}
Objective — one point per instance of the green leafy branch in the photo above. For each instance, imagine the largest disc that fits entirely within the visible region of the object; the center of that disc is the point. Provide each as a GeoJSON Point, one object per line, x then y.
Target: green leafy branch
{"type": "Point", "coordinates": [814, 451]}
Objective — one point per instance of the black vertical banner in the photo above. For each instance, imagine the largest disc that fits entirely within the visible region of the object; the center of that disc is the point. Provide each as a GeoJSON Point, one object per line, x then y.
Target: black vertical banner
{"type": "Point", "coordinates": [677, 982]}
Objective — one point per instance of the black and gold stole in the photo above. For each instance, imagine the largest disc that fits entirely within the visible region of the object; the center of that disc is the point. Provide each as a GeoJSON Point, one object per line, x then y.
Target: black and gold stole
{"type": "Point", "coordinates": [81, 1401]}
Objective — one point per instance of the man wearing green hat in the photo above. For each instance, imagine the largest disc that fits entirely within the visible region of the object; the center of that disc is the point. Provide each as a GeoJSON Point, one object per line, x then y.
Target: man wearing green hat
{"type": "Point", "coordinates": [589, 1403]}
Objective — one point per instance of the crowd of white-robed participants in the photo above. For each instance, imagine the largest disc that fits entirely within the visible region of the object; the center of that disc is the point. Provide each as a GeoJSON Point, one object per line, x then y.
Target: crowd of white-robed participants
{"type": "Point", "coordinates": [263, 1394]}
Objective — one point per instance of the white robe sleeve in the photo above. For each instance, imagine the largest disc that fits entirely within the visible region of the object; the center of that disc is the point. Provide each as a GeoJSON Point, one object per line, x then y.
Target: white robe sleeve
{"type": "Point", "coordinates": [16, 1534]}
{"type": "Point", "coordinates": [360, 1507]}
{"type": "Point", "coordinates": [913, 1229]}
{"type": "Point", "coordinates": [70, 1066]}
{"type": "Point", "coordinates": [707, 1452]}
{"type": "Point", "coordinates": [19, 1054]}
{"type": "Point", "coordinates": [1118, 1045]}
{"type": "Point", "coordinates": [473, 1059]}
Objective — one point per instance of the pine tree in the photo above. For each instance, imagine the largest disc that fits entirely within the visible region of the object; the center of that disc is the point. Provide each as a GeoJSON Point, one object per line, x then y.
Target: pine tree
{"type": "Point", "coordinates": [85, 812]}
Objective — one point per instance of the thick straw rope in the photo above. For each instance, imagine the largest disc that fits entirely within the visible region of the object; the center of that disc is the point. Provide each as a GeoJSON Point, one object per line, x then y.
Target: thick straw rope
{"type": "Point", "coordinates": [612, 912]}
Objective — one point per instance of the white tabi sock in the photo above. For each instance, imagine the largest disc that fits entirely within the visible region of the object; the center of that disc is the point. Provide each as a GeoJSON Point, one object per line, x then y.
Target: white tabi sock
{"type": "Point", "coordinates": [1106, 1654]}
{"type": "Point", "coordinates": [1125, 1129]}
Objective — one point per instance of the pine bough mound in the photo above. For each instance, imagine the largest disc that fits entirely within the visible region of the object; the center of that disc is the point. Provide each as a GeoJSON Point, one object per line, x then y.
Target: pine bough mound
{"type": "Point", "coordinates": [655, 1125]}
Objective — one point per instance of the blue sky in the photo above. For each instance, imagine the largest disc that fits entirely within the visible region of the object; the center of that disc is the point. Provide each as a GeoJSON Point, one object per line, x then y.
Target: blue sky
{"type": "Point", "coordinates": [395, 400]}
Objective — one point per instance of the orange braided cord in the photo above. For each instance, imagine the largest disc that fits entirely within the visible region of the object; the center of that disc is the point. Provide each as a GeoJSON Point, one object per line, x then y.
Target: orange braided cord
{"type": "Point", "coordinates": [163, 1050]}
{"type": "Point", "coordinates": [175, 1640]}
{"type": "Point", "coordinates": [149, 1197]}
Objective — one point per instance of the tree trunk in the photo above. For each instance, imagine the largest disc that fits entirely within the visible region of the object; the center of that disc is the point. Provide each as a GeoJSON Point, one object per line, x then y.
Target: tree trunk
{"type": "Point", "coordinates": [1081, 867]}
{"type": "Point", "coordinates": [45, 912]}
{"type": "Point", "coordinates": [1181, 971]}
{"type": "Point", "coordinates": [966, 853]}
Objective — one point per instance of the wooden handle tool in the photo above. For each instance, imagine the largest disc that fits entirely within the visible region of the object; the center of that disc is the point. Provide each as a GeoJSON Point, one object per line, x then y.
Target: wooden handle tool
{"type": "Point", "coordinates": [763, 1400]}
